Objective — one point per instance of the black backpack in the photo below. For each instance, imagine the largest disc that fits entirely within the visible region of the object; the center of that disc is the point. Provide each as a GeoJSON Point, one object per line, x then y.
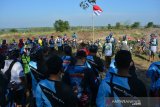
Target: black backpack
{"type": "Point", "coordinates": [37, 75]}
{"type": "Point", "coordinates": [137, 89]}
{"type": "Point", "coordinates": [7, 74]}
{"type": "Point", "coordinates": [63, 96]}
{"type": "Point", "coordinates": [4, 81]}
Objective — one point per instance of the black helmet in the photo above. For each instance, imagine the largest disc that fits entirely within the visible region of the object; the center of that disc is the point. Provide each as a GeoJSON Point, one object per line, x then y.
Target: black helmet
{"type": "Point", "coordinates": [36, 54]}
{"type": "Point", "coordinates": [93, 49]}
{"type": "Point", "coordinates": [13, 53]}
{"type": "Point", "coordinates": [67, 50]}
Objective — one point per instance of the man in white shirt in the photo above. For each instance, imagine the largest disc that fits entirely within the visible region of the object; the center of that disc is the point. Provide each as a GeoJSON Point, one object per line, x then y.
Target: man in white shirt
{"type": "Point", "coordinates": [17, 78]}
{"type": "Point", "coordinates": [51, 43]}
{"type": "Point", "coordinates": [107, 50]}
{"type": "Point", "coordinates": [59, 43]}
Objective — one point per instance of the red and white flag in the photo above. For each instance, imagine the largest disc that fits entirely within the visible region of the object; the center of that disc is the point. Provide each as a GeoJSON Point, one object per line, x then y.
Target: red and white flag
{"type": "Point", "coordinates": [97, 10]}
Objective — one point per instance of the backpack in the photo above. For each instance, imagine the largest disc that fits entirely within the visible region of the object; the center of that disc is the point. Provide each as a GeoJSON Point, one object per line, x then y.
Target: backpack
{"type": "Point", "coordinates": [7, 74]}
{"type": "Point", "coordinates": [5, 80]}
{"type": "Point", "coordinates": [137, 89]}
{"type": "Point", "coordinates": [96, 69]}
{"type": "Point", "coordinates": [37, 75]}
{"type": "Point", "coordinates": [51, 41]}
{"type": "Point", "coordinates": [56, 99]}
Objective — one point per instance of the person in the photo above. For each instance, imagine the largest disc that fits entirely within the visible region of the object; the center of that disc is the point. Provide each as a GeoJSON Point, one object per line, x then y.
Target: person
{"type": "Point", "coordinates": [51, 43]}
{"type": "Point", "coordinates": [122, 84]}
{"type": "Point", "coordinates": [107, 50]}
{"type": "Point", "coordinates": [84, 48]}
{"type": "Point", "coordinates": [65, 39]}
{"type": "Point", "coordinates": [17, 82]}
{"type": "Point", "coordinates": [113, 41]}
{"type": "Point", "coordinates": [25, 57]}
{"type": "Point", "coordinates": [14, 42]}
{"type": "Point", "coordinates": [74, 40]}
{"type": "Point", "coordinates": [113, 69]}
{"type": "Point", "coordinates": [143, 45]}
{"type": "Point", "coordinates": [59, 44]}
{"type": "Point", "coordinates": [67, 58]}
{"type": "Point", "coordinates": [44, 41]}
{"type": "Point", "coordinates": [95, 63]}
{"type": "Point", "coordinates": [3, 84]}
{"type": "Point", "coordinates": [80, 78]}
{"type": "Point", "coordinates": [37, 69]}
{"type": "Point", "coordinates": [124, 43]}
{"type": "Point", "coordinates": [52, 92]}
{"type": "Point", "coordinates": [153, 73]}
{"type": "Point", "coordinates": [74, 36]}
{"type": "Point", "coordinates": [40, 41]}
{"type": "Point", "coordinates": [153, 46]}
{"type": "Point", "coordinates": [20, 44]}
{"type": "Point", "coordinates": [94, 60]}
{"type": "Point", "coordinates": [4, 47]}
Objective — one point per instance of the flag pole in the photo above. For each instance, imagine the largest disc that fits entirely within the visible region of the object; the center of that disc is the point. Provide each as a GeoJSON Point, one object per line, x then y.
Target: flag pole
{"type": "Point", "coordinates": [93, 25]}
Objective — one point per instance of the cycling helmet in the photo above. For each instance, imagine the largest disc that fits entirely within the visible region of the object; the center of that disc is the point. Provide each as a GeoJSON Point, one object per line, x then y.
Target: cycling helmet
{"type": "Point", "coordinates": [13, 53]}
{"type": "Point", "coordinates": [36, 54]}
{"type": "Point", "coordinates": [93, 49]}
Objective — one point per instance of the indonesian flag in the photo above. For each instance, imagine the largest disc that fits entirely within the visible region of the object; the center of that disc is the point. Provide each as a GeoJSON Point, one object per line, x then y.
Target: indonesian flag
{"type": "Point", "coordinates": [97, 10]}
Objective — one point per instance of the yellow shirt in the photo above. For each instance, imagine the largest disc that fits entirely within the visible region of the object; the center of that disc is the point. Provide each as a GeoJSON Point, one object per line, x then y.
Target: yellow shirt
{"type": "Point", "coordinates": [40, 42]}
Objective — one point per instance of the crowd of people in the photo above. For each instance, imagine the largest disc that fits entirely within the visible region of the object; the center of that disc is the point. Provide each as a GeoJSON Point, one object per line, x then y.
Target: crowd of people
{"type": "Point", "coordinates": [46, 72]}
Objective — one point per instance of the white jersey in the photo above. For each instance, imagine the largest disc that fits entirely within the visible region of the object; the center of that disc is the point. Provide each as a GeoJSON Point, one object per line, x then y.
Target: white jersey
{"type": "Point", "coordinates": [108, 49]}
{"type": "Point", "coordinates": [124, 46]}
{"type": "Point", "coordinates": [16, 71]}
{"type": "Point", "coordinates": [124, 42]}
{"type": "Point", "coordinates": [59, 42]}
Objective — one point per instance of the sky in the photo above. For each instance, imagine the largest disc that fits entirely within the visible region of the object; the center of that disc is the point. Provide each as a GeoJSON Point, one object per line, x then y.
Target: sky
{"type": "Point", "coordinates": [43, 13]}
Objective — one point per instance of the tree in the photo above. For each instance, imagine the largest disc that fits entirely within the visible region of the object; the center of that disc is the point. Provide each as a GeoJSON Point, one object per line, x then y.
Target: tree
{"type": "Point", "coordinates": [13, 30]}
{"type": "Point", "coordinates": [118, 25]}
{"type": "Point", "coordinates": [61, 25]}
{"type": "Point", "coordinates": [127, 26]}
{"type": "Point", "coordinates": [149, 25]}
{"type": "Point", "coordinates": [109, 26]}
{"type": "Point", "coordinates": [135, 25]}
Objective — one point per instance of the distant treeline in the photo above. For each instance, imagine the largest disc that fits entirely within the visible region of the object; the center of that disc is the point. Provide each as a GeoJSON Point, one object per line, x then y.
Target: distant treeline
{"type": "Point", "coordinates": [118, 25]}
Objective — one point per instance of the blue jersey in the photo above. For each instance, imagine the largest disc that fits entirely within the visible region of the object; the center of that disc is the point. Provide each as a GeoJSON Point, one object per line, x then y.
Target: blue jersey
{"type": "Point", "coordinates": [115, 86]}
{"type": "Point", "coordinates": [51, 93]}
{"type": "Point", "coordinates": [78, 78]}
{"type": "Point", "coordinates": [153, 72]}
{"type": "Point", "coordinates": [66, 61]}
